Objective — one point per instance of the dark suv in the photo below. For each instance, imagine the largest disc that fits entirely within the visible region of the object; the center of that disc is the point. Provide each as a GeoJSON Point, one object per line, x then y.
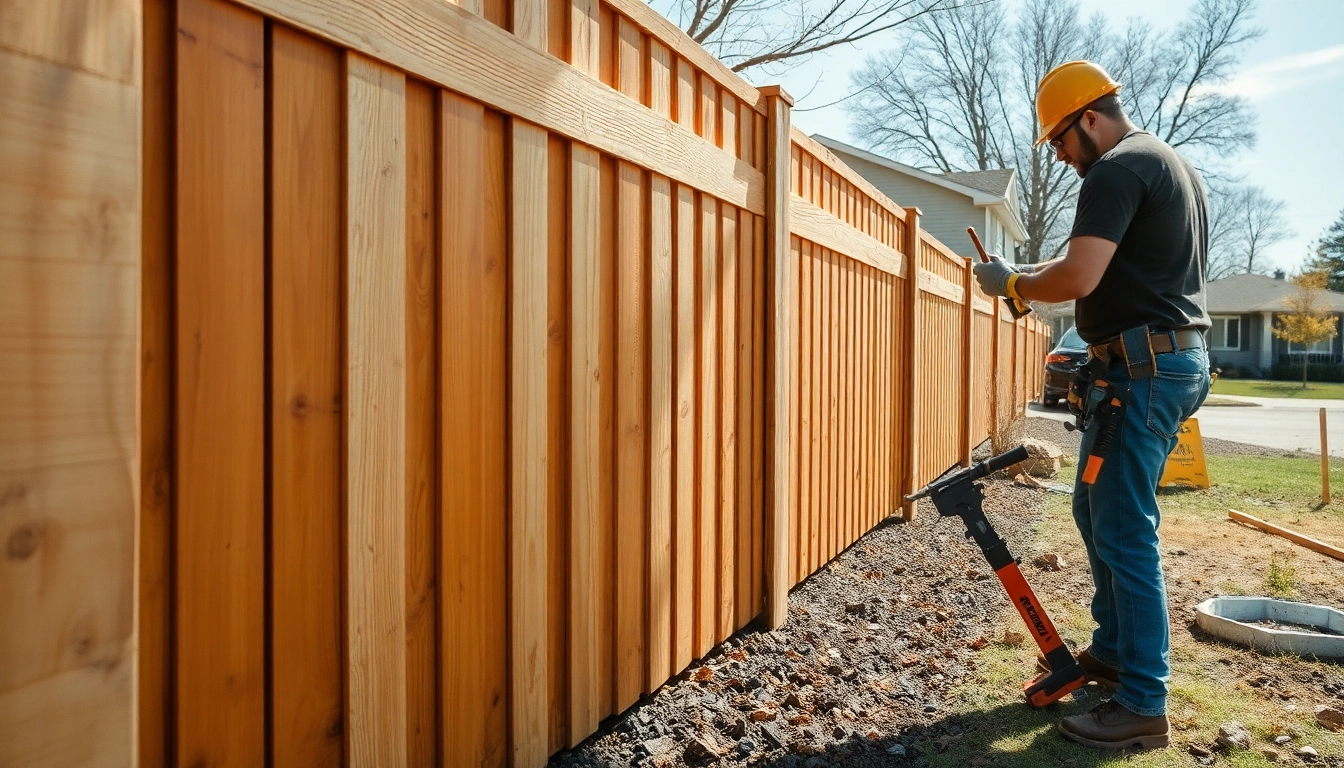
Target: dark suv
{"type": "Point", "coordinates": [1067, 356]}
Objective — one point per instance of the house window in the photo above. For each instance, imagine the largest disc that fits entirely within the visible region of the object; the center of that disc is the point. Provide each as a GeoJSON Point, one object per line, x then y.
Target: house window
{"type": "Point", "coordinates": [1225, 333]}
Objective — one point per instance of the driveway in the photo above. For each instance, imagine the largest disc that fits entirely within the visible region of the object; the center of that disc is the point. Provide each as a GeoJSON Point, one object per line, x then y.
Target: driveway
{"type": "Point", "coordinates": [1287, 424]}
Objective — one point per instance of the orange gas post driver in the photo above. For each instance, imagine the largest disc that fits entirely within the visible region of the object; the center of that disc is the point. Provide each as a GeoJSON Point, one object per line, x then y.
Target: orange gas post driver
{"type": "Point", "coordinates": [957, 494]}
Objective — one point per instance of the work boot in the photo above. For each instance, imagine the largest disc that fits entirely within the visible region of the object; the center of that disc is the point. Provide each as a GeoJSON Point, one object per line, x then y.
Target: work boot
{"type": "Point", "coordinates": [1110, 726]}
{"type": "Point", "coordinates": [1102, 674]}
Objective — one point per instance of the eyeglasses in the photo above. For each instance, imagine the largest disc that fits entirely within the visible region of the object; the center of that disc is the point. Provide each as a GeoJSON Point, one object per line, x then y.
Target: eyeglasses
{"type": "Point", "coordinates": [1057, 143]}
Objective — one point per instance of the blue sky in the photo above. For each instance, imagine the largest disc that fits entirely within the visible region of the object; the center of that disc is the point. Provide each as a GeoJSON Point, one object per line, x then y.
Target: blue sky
{"type": "Point", "coordinates": [1293, 77]}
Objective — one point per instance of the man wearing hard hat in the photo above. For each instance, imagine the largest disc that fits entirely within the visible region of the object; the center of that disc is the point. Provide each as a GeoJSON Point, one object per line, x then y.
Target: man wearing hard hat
{"type": "Point", "coordinates": [1135, 264]}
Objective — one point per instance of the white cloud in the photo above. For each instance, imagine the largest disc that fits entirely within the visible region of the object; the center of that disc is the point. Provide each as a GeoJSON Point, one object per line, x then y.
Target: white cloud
{"type": "Point", "coordinates": [1286, 72]}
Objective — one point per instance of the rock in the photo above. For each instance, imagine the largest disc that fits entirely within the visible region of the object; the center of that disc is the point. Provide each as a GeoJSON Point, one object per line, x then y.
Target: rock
{"type": "Point", "coordinates": [745, 747]}
{"type": "Point", "coordinates": [1013, 638]}
{"type": "Point", "coordinates": [1045, 458]}
{"type": "Point", "coordinates": [703, 674]}
{"type": "Point", "coordinates": [702, 747]}
{"type": "Point", "coordinates": [930, 708]}
{"type": "Point", "coordinates": [1329, 717]}
{"type": "Point", "coordinates": [1271, 754]}
{"type": "Point", "coordinates": [839, 733]}
{"type": "Point", "coordinates": [770, 732]}
{"type": "Point", "coordinates": [1281, 740]}
{"type": "Point", "coordinates": [1234, 735]}
{"type": "Point", "coordinates": [762, 715]}
{"type": "Point", "coordinates": [809, 733]}
{"type": "Point", "coordinates": [1198, 751]}
{"type": "Point", "coordinates": [897, 750]}
{"type": "Point", "coordinates": [737, 728]}
{"type": "Point", "coordinates": [658, 746]}
{"type": "Point", "coordinates": [1307, 753]}
{"type": "Point", "coordinates": [1051, 562]}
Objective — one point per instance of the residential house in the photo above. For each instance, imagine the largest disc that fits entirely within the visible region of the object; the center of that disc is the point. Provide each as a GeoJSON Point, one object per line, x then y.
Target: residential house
{"type": "Point", "coordinates": [1243, 308]}
{"type": "Point", "coordinates": [948, 202]}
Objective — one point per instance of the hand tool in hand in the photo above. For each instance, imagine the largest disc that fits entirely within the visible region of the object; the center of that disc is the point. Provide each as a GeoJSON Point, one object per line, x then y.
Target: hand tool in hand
{"type": "Point", "coordinates": [1017, 307]}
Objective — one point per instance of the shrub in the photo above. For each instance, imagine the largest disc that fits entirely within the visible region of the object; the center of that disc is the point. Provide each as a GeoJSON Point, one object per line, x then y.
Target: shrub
{"type": "Point", "coordinates": [1291, 371]}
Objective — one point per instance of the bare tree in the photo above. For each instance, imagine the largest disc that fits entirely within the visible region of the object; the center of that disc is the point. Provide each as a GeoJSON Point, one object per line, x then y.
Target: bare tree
{"type": "Point", "coordinates": [1243, 222]}
{"type": "Point", "coordinates": [960, 93]}
{"type": "Point", "coordinates": [755, 33]}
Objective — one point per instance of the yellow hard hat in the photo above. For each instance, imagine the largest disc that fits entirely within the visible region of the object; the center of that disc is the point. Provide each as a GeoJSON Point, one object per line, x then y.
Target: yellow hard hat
{"type": "Point", "coordinates": [1067, 89]}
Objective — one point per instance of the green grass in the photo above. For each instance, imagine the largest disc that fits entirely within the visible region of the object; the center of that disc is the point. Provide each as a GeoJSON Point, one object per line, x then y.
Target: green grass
{"type": "Point", "coordinates": [1316, 390]}
{"type": "Point", "coordinates": [999, 731]}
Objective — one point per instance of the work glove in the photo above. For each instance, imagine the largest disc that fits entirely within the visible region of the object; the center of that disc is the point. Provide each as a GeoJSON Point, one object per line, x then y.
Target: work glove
{"type": "Point", "coordinates": [993, 275]}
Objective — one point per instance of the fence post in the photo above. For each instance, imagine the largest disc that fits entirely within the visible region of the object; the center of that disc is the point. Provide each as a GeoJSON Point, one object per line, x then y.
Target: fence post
{"type": "Point", "coordinates": [781, 357]}
{"type": "Point", "coordinates": [912, 331]}
{"type": "Point", "coordinates": [967, 372]}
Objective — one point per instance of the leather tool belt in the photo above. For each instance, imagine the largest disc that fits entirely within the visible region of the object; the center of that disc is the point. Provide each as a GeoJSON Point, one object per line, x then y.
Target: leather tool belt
{"type": "Point", "coordinates": [1139, 347]}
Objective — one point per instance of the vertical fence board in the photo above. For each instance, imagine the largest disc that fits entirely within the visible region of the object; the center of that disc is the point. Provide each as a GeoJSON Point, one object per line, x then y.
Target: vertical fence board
{"type": "Point", "coordinates": [684, 435]}
{"type": "Point", "coordinates": [422, 381]}
{"type": "Point", "coordinates": [730, 555]}
{"type": "Point", "coordinates": [660, 424]}
{"type": "Point", "coordinates": [746, 313]}
{"type": "Point", "coordinates": [632, 439]}
{"type": "Point", "coordinates": [376, 411]}
{"type": "Point", "coordinates": [220, 378]}
{"type": "Point", "coordinates": [806, 459]}
{"type": "Point", "coordinates": [558, 454]}
{"type": "Point", "coordinates": [586, 477]}
{"type": "Point", "coordinates": [157, 142]}
{"type": "Point", "coordinates": [708, 398]}
{"type": "Point", "coordinates": [305, 400]}
{"type": "Point", "coordinates": [608, 435]}
{"type": "Point", "coordinates": [473, 291]}
{"type": "Point", "coordinates": [779, 455]}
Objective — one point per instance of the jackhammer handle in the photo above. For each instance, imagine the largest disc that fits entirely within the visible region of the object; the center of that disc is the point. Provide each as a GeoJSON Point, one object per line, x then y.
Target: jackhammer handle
{"type": "Point", "coordinates": [1006, 459]}
{"type": "Point", "coordinates": [1015, 307]}
{"type": "Point", "coordinates": [974, 472]}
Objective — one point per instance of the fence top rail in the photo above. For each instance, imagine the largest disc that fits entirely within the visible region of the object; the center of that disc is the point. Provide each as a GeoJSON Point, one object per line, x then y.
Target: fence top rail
{"type": "Point", "coordinates": [642, 15]}
{"type": "Point", "coordinates": [812, 147]}
{"type": "Point", "coordinates": [940, 249]}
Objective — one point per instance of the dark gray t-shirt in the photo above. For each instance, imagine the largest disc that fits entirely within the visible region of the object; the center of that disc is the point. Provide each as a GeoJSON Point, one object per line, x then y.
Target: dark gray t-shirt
{"type": "Point", "coordinates": [1147, 199]}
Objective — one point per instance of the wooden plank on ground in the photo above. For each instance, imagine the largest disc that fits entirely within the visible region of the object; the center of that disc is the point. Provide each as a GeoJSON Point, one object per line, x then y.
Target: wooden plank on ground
{"type": "Point", "coordinates": [684, 435]}
{"type": "Point", "coordinates": [220, 384]}
{"type": "Point", "coordinates": [707, 397]}
{"type": "Point", "coordinates": [307, 348]}
{"type": "Point", "coordinates": [473, 418]}
{"type": "Point", "coordinates": [422, 367]}
{"type": "Point", "coordinates": [632, 437]}
{"type": "Point", "coordinates": [375, 410]}
{"type": "Point", "coordinates": [660, 424]}
{"type": "Point", "coordinates": [730, 555]}
{"type": "Point", "coordinates": [70, 456]}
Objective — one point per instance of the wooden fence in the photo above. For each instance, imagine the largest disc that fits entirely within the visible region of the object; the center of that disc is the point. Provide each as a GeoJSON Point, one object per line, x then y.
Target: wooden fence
{"type": "Point", "coordinates": [496, 361]}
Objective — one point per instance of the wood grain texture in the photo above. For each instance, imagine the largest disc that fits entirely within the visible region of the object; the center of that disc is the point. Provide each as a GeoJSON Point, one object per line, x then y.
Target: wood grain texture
{"type": "Point", "coordinates": [586, 476]}
{"type": "Point", "coordinates": [220, 384]}
{"type": "Point", "coordinates": [307, 348]}
{"type": "Point", "coordinates": [154, 629]}
{"type": "Point", "coordinates": [585, 45]}
{"type": "Point", "coordinates": [660, 425]}
{"type": "Point", "coordinates": [71, 484]}
{"type": "Point", "coordinates": [781, 361]}
{"type": "Point", "coordinates": [730, 556]}
{"type": "Point", "coordinates": [745, 410]}
{"type": "Point", "coordinates": [473, 419]}
{"type": "Point", "coordinates": [911, 364]}
{"type": "Point", "coordinates": [684, 438]}
{"type": "Point", "coordinates": [631, 436]}
{"type": "Point", "coordinates": [557, 441]}
{"type": "Point", "coordinates": [812, 223]}
{"type": "Point", "coordinates": [968, 367]}
{"type": "Point", "coordinates": [758, 419]}
{"type": "Point", "coordinates": [447, 45]}
{"type": "Point", "coordinates": [422, 423]}
{"type": "Point", "coordinates": [608, 436]}
{"type": "Point", "coordinates": [527, 440]}
{"type": "Point", "coordinates": [803, 530]}
{"type": "Point", "coordinates": [97, 37]}
{"type": "Point", "coordinates": [707, 396]}
{"type": "Point", "coordinates": [376, 412]}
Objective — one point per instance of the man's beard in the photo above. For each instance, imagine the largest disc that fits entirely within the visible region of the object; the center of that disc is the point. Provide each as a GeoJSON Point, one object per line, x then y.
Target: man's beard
{"type": "Point", "coordinates": [1088, 156]}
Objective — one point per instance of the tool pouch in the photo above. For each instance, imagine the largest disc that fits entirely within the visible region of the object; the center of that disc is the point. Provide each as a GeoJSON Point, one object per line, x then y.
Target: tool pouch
{"type": "Point", "coordinates": [1138, 349]}
{"type": "Point", "coordinates": [1080, 389]}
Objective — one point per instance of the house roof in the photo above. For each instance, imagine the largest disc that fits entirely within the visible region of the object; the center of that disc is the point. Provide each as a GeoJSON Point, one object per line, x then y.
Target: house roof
{"type": "Point", "coordinates": [1258, 293]}
{"type": "Point", "coordinates": [985, 188]}
{"type": "Point", "coordinates": [996, 182]}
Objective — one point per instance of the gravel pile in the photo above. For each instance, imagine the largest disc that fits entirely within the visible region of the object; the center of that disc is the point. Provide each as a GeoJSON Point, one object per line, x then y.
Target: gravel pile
{"type": "Point", "coordinates": [860, 674]}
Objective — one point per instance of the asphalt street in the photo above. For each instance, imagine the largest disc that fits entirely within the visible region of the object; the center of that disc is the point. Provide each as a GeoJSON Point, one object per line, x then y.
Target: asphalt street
{"type": "Point", "coordinates": [1288, 424]}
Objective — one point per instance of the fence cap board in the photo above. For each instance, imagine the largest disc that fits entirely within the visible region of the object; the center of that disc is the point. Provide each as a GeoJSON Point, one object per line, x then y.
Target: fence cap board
{"type": "Point", "coordinates": [827, 157]}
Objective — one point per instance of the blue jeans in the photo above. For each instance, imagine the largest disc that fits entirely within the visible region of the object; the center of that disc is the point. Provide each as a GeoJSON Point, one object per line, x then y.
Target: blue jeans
{"type": "Point", "coordinates": [1118, 519]}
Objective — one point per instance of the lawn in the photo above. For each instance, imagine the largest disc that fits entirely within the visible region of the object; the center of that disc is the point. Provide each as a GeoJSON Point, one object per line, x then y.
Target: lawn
{"type": "Point", "coordinates": [1212, 682]}
{"type": "Point", "coordinates": [1316, 390]}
